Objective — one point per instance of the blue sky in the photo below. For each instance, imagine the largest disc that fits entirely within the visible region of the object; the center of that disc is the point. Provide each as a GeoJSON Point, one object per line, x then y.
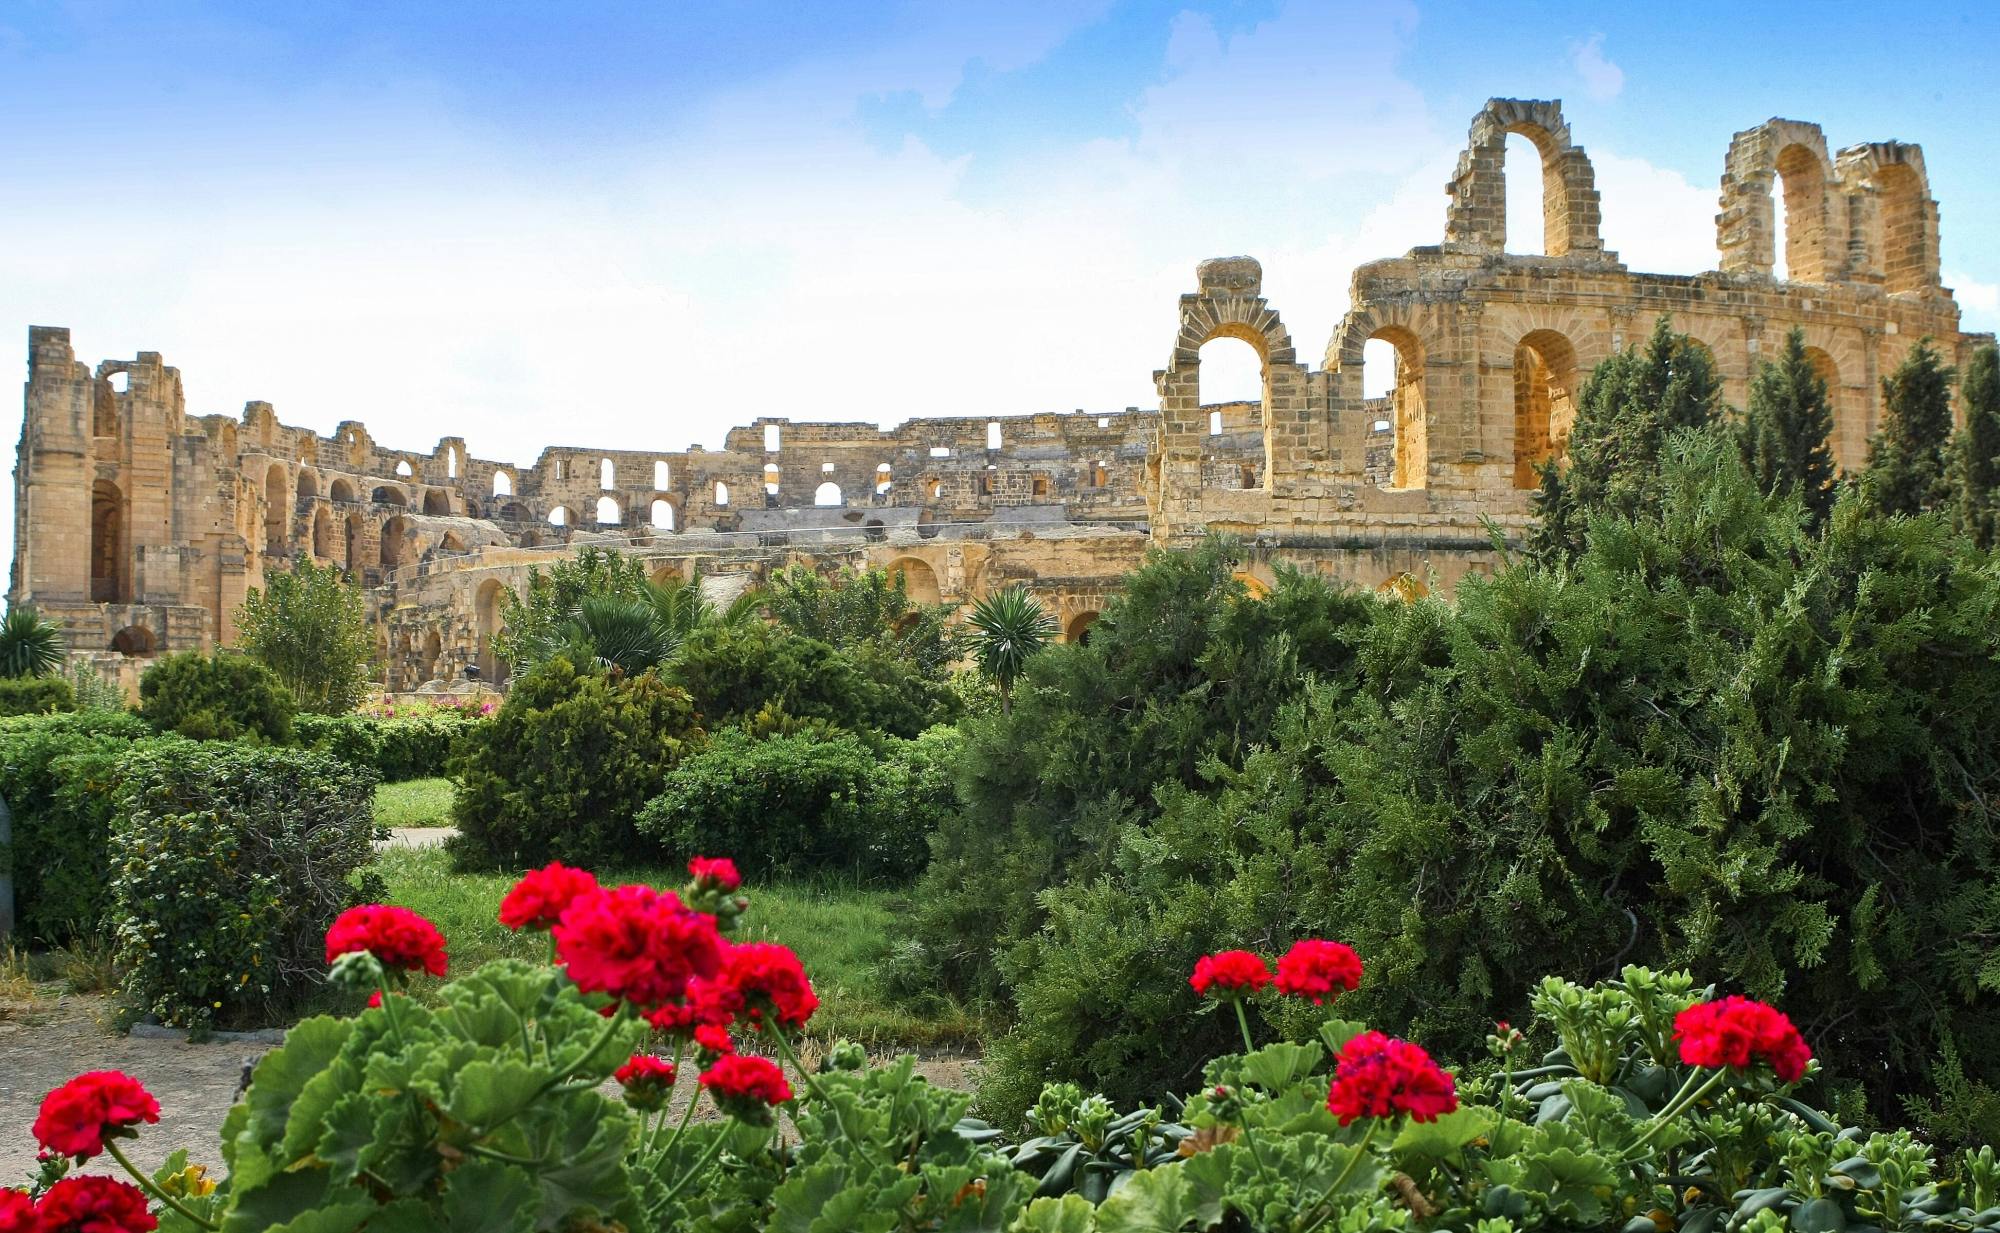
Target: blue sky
{"type": "Point", "coordinates": [638, 224]}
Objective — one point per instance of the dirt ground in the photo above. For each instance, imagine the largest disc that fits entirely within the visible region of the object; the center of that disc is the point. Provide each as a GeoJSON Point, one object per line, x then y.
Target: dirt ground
{"type": "Point", "coordinates": [50, 1040]}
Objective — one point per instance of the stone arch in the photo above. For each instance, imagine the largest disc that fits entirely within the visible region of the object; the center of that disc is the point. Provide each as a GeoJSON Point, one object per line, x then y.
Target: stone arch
{"type": "Point", "coordinates": [391, 554]}
{"type": "Point", "coordinates": [322, 534]}
{"type": "Point", "coordinates": [342, 489]}
{"type": "Point", "coordinates": [1790, 157]}
{"type": "Point", "coordinates": [828, 494]}
{"type": "Point", "coordinates": [721, 493]}
{"type": "Point", "coordinates": [436, 503]}
{"type": "Point", "coordinates": [1077, 628]}
{"type": "Point", "coordinates": [390, 494]}
{"type": "Point", "coordinates": [403, 469]}
{"type": "Point", "coordinates": [1410, 413]}
{"type": "Point", "coordinates": [1546, 380]}
{"type": "Point", "coordinates": [514, 511]}
{"type": "Point", "coordinates": [1404, 586]}
{"type": "Point", "coordinates": [1896, 232]}
{"type": "Point", "coordinates": [663, 475]}
{"type": "Point", "coordinates": [308, 485]}
{"type": "Point", "coordinates": [503, 484]}
{"type": "Point", "coordinates": [136, 640]}
{"type": "Point", "coordinates": [1253, 586]}
{"type": "Point", "coordinates": [357, 542]}
{"type": "Point", "coordinates": [608, 513]}
{"type": "Point", "coordinates": [1572, 213]}
{"type": "Point", "coordinates": [663, 515]}
{"type": "Point", "coordinates": [486, 603]}
{"type": "Point", "coordinates": [433, 651]}
{"type": "Point", "coordinates": [110, 579]}
{"type": "Point", "coordinates": [920, 581]}
{"type": "Point", "coordinates": [607, 474]}
{"type": "Point", "coordinates": [451, 545]}
{"type": "Point", "coordinates": [277, 507]}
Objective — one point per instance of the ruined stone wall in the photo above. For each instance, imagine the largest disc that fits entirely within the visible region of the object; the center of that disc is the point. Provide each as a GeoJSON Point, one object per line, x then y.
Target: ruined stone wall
{"type": "Point", "coordinates": [142, 527]}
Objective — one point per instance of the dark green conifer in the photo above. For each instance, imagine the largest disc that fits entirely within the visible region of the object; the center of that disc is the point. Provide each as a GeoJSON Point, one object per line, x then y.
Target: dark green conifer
{"type": "Point", "coordinates": [1906, 461]}
{"type": "Point", "coordinates": [1784, 434]}
{"type": "Point", "coordinates": [1976, 450]}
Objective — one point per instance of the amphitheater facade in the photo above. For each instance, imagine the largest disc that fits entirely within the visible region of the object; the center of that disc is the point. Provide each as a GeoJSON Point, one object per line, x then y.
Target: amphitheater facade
{"type": "Point", "coordinates": [142, 527]}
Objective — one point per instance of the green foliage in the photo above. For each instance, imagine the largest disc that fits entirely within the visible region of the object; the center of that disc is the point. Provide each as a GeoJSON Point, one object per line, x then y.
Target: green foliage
{"type": "Point", "coordinates": [416, 746]}
{"type": "Point", "coordinates": [35, 695]}
{"type": "Point", "coordinates": [807, 801]}
{"type": "Point", "coordinates": [1906, 471]}
{"type": "Point", "coordinates": [1785, 433]}
{"type": "Point", "coordinates": [228, 863]}
{"type": "Point", "coordinates": [56, 777]}
{"type": "Point", "coordinates": [534, 624]}
{"type": "Point", "coordinates": [1181, 678]}
{"type": "Point", "coordinates": [1009, 628]}
{"type": "Point", "coordinates": [753, 673]}
{"type": "Point", "coordinates": [850, 610]}
{"type": "Point", "coordinates": [30, 644]}
{"type": "Point", "coordinates": [93, 690]}
{"type": "Point", "coordinates": [561, 772]}
{"type": "Point", "coordinates": [223, 697]}
{"type": "Point", "coordinates": [1629, 405]}
{"type": "Point", "coordinates": [310, 628]}
{"type": "Point", "coordinates": [1975, 455]}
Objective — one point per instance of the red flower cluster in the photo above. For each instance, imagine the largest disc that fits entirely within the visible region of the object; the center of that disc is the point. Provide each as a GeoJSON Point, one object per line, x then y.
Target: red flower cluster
{"type": "Point", "coordinates": [399, 938]}
{"type": "Point", "coordinates": [637, 944]}
{"type": "Point", "coordinates": [1230, 973]}
{"type": "Point", "coordinates": [93, 1205]}
{"type": "Point", "coordinates": [763, 978]}
{"type": "Point", "coordinates": [648, 1081]}
{"type": "Point", "coordinates": [715, 873]}
{"type": "Point", "coordinates": [1739, 1032]}
{"type": "Point", "coordinates": [713, 1040]}
{"type": "Point", "coordinates": [1318, 969]}
{"type": "Point", "coordinates": [1380, 1076]}
{"type": "Point", "coordinates": [79, 1116]}
{"type": "Point", "coordinates": [17, 1212]}
{"type": "Point", "coordinates": [538, 899]}
{"type": "Point", "coordinates": [746, 1087]}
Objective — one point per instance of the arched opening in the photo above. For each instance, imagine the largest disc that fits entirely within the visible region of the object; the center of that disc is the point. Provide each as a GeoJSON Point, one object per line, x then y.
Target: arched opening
{"type": "Point", "coordinates": [1909, 261]}
{"type": "Point", "coordinates": [607, 474]}
{"type": "Point", "coordinates": [770, 479]}
{"type": "Point", "coordinates": [1829, 372]}
{"type": "Point", "coordinates": [932, 487]}
{"type": "Point", "coordinates": [771, 438]}
{"type": "Point", "coordinates": [514, 511]}
{"type": "Point", "coordinates": [451, 545]}
{"type": "Point", "coordinates": [1215, 423]}
{"type": "Point", "coordinates": [721, 493]}
{"type": "Point", "coordinates": [668, 575]}
{"type": "Point", "coordinates": [436, 503]}
{"type": "Point", "coordinates": [388, 494]}
{"type": "Point", "coordinates": [1405, 586]}
{"type": "Point", "coordinates": [451, 462]}
{"type": "Point", "coordinates": [1231, 370]}
{"type": "Point", "coordinates": [663, 514]}
{"type": "Point", "coordinates": [107, 543]}
{"type": "Point", "coordinates": [559, 517]}
{"type": "Point", "coordinates": [277, 509]}
{"type": "Point", "coordinates": [608, 513]}
{"type": "Point", "coordinates": [503, 484]}
{"type": "Point", "coordinates": [1798, 217]}
{"type": "Point", "coordinates": [433, 651]}
{"type": "Point", "coordinates": [357, 541]}
{"type": "Point", "coordinates": [1544, 402]}
{"type": "Point", "coordinates": [308, 487]}
{"type": "Point", "coordinates": [403, 470]}
{"type": "Point", "coordinates": [1527, 196]}
{"type": "Point", "coordinates": [1077, 628]}
{"type": "Point", "coordinates": [1253, 586]}
{"type": "Point", "coordinates": [993, 434]}
{"type": "Point", "coordinates": [919, 580]}
{"type": "Point", "coordinates": [135, 640]}
{"type": "Point", "coordinates": [342, 490]}
{"type": "Point", "coordinates": [1041, 486]}
{"type": "Point", "coordinates": [486, 622]}
{"type": "Point", "coordinates": [392, 542]}
{"type": "Point", "coordinates": [1410, 464]}
{"type": "Point", "coordinates": [104, 410]}
{"type": "Point", "coordinates": [323, 545]}
{"type": "Point", "coordinates": [827, 494]}
{"type": "Point", "coordinates": [662, 477]}
{"type": "Point", "coordinates": [884, 480]}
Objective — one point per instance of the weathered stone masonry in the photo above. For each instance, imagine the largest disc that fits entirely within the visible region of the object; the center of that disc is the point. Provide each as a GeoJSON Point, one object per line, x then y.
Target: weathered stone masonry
{"type": "Point", "coordinates": [142, 527]}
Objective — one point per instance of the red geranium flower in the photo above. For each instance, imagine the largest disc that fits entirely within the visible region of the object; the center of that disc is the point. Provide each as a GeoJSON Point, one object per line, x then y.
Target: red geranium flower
{"type": "Point", "coordinates": [17, 1212]}
{"type": "Point", "coordinates": [1230, 973]}
{"type": "Point", "coordinates": [1318, 969]}
{"type": "Point", "coordinates": [648, 1080]}
{"type": "Point", "coordinates": [399, 938]}
{"type": "Point", "coordinates": [94, 1205]}
{"type": "Point", "coordinates": [637, 944]}
{"type": "Point", "coordinates": [766, 979]}
{"type": "Point", "coordinates": [746, 1087]}
{"type": "Point", "coordinates": [1739, 1032]}
{"type": "Point", "coordinates": [1380, 1076]}
{"type": "Point", "coordinates": [538, 899]}
{"type": "Point", "coordinates": [77, 1118]}
{"type": "Point", "coordinates": [713, 1040]}
{"type": "Point", "coordinates": [715, 873]}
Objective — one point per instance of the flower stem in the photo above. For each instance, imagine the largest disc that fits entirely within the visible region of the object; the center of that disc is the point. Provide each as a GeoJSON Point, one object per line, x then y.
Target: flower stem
{"type": "Point", "coordinates": [1243, 1021]}
{"type": "Point", "coordinates": [1683, 1100]}
{"type": "Point", "coordinates": [150, 1187]}
{"type": "Point", "coordinates": [819, 1093]}
{"type": "Point", "coordinates": [1360, 1150]}
{"type": "Point", "coordinates": [700, 1166]}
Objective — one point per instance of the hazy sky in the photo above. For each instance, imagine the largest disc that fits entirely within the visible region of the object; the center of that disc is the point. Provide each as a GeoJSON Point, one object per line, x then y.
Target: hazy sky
{"type": "Point", "coordinates": [638, 224]}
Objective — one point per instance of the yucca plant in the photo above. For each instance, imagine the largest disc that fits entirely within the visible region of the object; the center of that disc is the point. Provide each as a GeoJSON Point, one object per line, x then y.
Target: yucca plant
{"type": "Point", "coordinates": [29, 644]}
{"type": "Point", "coordinates": [1009, 628]}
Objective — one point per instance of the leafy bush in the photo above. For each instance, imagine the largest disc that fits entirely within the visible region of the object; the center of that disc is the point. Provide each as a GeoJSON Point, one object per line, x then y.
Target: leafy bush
{"type": "Point", "coordinates": [228, 864]}
{"type": "Point", "coordinates": [56, 775]}
{"type": "Point", "coordinates": [35, 695]}
{"type": "Point", "coordinates": [563, 769]}
{"type": "Point", "coordinates": [310, 628]}
{"type": "Point", "coordinates": [807, 801]}
{"type": "Point", "coordinates": [416, 746]}
{"type": "Point", "coordinates": [849, 609]}
{"type": "Point", "coordinates": [222, 697]}
{"type": "Point", "coordinates": [734, 673]}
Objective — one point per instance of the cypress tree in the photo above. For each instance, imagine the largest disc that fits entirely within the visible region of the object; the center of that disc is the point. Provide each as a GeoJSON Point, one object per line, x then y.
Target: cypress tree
{"type": "Point", "coordinates": [1906, 461]}
{"type": "Point", "coordinates": [1784, 433]}
{"type": "Point", "coordinates": [1628, 406]}
{"type": "Point", "coordinates": [1976, 450]}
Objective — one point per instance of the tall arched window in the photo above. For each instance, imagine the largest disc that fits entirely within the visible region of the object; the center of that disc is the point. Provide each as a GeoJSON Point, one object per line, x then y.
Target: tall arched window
{"type": "Point", "coordinates": [662, 477]}
{"type": "Point", "coordinates": [607, 474]}
{"type": "Point", "coordinates": [503, 484]}
{"type": "Point", "coordinates": [721, 493]}
{"type": "Point", "coordinates": [608, 513]}
{"type": "Point", "coordinates": [827, 494]}
{"type": "Point", "coordinates": [1527, 197]}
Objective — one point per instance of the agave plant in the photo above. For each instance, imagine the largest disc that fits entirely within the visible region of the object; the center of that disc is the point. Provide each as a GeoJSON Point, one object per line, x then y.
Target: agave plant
{"type": "Point", "coordinates": [29, 644]}
{"type": "Point", "coordinates": [1009, 628]}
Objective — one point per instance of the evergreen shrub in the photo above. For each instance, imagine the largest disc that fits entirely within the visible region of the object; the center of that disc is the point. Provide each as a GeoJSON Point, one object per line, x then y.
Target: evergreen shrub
{"type": "Point", "coordinates": [403, 747]}
{"type": "Point", "coordinates": [56, 775]}
{"type": "Point", "coordinates": [222, 697]}
{"type": "Point", "coordinates": [35, 695]}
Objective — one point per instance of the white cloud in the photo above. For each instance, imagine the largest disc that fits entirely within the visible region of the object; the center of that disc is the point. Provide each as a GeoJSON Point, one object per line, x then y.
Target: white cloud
{"type": "Point", "coordinates": [1979, 300]}
{"type": "Point", "coordinates": [1602, 80]}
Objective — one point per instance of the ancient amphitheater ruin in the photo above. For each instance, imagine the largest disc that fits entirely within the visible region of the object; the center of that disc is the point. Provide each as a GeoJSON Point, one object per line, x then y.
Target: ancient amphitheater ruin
{"type": "Point", "coordinates": [142, 527]}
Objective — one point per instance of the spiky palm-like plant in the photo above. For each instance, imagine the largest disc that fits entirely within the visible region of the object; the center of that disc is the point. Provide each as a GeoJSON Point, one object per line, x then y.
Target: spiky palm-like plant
{"type": "Point", "coordinates": [1009, 628]}
{"type": "Point", "coordinates": [29, 644]}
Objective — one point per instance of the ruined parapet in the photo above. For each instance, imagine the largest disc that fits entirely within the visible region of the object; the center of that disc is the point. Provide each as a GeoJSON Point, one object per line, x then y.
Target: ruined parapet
{"type": "Point", "coordinates": [1893, 220]}
{"type": "Point", "coordinates": [1572, 214]}
{"type": "Point", "coordinates": [1794, 153]}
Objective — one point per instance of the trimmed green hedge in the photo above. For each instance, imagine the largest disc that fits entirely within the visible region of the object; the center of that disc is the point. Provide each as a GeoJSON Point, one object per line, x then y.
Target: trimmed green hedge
{"type": "Point", "coordinates": [35, 695]}
{"type": "Point", "coordinates": [413, 747]}
{"type": "Point", "coordinates": [222, 697]}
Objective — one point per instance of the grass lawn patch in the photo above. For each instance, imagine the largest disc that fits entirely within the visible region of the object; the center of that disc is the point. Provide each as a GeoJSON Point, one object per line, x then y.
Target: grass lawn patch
{"type": "Point", "coordinates": [414, 802]}
{"type": "Point", "coordinates": [842, 933]}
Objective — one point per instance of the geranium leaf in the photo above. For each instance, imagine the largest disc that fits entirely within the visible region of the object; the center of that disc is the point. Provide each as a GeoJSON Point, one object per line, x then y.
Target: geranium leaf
{"type": "Point", "coordinates": [486, 1196]}
{"type": "Point", "coordinates": [1154, 1201]}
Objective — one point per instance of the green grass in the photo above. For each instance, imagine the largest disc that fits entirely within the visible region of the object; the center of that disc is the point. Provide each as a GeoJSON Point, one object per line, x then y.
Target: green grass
{"type": "Point", "coordinates": [414, 802]}
{"type": "Point", "coordinates": [842, 933]}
